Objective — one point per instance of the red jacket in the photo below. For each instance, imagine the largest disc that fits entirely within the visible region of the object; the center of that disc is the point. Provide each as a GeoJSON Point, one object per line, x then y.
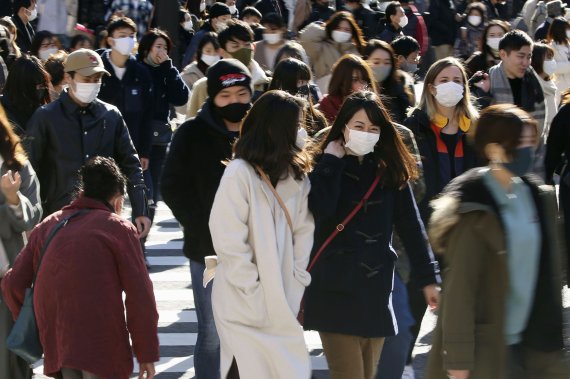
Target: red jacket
{"type": "Point", "coordinates": [78, 293]}
{"type": "Point", "coordinates": [330, 106]}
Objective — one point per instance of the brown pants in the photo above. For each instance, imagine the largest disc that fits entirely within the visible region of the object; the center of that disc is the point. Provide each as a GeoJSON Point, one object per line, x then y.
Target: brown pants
{"type": "Point", "coordinates": [443, 51]}
{"type": "Point", "coordinates": [69, 373]}
{"type": "Point", "coordinates": [351, 357]}
{"type": "Point", "coordinates": [526, 363]}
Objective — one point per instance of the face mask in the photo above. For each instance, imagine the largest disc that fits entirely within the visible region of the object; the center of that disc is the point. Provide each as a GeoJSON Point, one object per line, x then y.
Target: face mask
{"type": "Point", "coordinates": [210, 59]}
{"type": "Point", "coordinates": [474, 20]}
{"type": "Point", "coordinates": [449, 94]}
{"type": "Point", "coordinates": [301, 138]}
{"type": "Point", "coordinates": [303, 90]}
{"type": "Point", "coordinates": [409, 67]}
{"type": "Point", "coordinates": [381, 72]}
{"type": "Point", "coordinates": [493, 43]}
{"type": "Point", "coordinates": [403, 21]}
{"type": "Point", "coordinates": [219, 26]}
{"type": "Point", "coordinates": [86, 92]}
{"type": "Point", "coordinates": [233, 9]}
{"type": "Point", "coordinates": [272, 38]}
{"type": "Point", "coordinates": [187, 25]}
{"type": "Point", "coordinates": [124, 46]}
{"type": "Point", "coordinates": [33, 14]}
{"type": "Point", "coordinates": [549, 67]}
{"type": "Point", "coordinates": [341, 37]}
{"type": "Point", "coordinates": [45, 53]}
{"type": "Point", "coordinates": [202, 7]}
{"type": "Point", "coordinates": [522, 162]}
{"type": "Point", "coordinates": [234, 112]}
{"type": "Point", "coordinates": [361, 143]}
{"type": "Point", "coordinates": [244, 55]}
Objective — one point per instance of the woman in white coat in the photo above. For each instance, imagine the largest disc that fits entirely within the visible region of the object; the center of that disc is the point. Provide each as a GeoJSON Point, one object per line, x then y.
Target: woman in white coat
{"type": "Point", "coordinates": [262, 232]}
{"type": "Point", "coordinates": [558, 36]}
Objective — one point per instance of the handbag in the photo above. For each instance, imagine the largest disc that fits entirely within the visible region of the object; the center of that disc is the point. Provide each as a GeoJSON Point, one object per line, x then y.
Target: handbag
{"type": "Point", "coordinates": [265, 178]}
{"type": "Point", "coordinates": [339, 228]}
{"type": "Point", "coordinates": [24, 339]}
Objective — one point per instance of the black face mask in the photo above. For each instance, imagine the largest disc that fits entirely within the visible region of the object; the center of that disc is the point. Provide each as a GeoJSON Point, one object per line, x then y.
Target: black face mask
{"type": "Point", "coordinates": [234, 112]}
{"type": "Point", "coordinates": [303, 90]}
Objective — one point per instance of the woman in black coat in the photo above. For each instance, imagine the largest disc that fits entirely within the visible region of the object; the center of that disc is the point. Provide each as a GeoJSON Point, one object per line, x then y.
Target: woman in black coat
{"type": "Point", "coordinates": [348, 300]}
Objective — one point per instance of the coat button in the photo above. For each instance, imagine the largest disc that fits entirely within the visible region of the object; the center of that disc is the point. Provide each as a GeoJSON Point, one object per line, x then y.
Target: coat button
{"type": "Point", "coordinates": [85, 133]}
{"type": "Point", "coordinates": [86, 155]}
{"type": "Point", "coordinates": [156, 134]}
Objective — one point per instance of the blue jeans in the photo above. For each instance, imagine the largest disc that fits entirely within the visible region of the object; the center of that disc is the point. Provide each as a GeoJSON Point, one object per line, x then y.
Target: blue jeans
{"type": "Point", "coordinates": [207, 349]}
{"type": "Point", "coordinates": [395, 351]}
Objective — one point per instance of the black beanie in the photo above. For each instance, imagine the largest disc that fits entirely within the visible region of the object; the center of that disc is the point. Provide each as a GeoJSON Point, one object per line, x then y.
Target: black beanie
{"type": "Point", "coordinates": [219, 9]}
{"type": "Point", "coordinates": [227, 73]}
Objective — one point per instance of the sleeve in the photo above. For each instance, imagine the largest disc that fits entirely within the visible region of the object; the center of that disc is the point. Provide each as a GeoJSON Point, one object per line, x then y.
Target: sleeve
{"type": "Point", "coordinates": [199, 96]}
{"type": "Point", "coordinates": [325, 186]}
{"type": "Point", "coordinates": [36, 140]}
{"type": "Point", "coordinates": [192, 48]}
{"type": "Point", "coordinates": [176, 90]}
{"type": "Point", "coordinates": [141, 313]}
{"type": "Point", "coordinates": [411, 229]}
{"type": "Point", "coordinates": [562, 63]}
{"type": "Point", "coordinates": [147, 116]}
{"type": "Point", "coordinates": [31, 207]}
{"type": "Point", "coordinates": [419, 185]}
{"type": "Point", "coordinates": [311, 38]}
{"type": "Point", "coordinates": [303, 237]}
{"type": "Point", "coordinates": [555, 143]}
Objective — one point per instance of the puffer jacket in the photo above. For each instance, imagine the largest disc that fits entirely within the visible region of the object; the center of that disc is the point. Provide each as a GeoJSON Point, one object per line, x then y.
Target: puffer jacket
{"type": "Point", "coordinates": [63, 136]}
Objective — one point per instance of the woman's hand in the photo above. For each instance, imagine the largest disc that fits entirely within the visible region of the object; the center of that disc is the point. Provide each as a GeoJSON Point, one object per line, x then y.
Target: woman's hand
{"type": "Point", "coordinates": [10, 185]}
{"type": "Point", "coordinates": [431, 293]}
{"type": "Point", "coordinates": [162, 56]}
{"type": "Point", "coordinates": [458, 374]}
{"type": "Point", "coordinates": [336, 148]}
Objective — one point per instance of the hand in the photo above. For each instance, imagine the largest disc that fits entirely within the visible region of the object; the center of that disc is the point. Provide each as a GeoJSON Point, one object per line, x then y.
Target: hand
{"type": "Point", "coordinates": [336, 148]}
{"type": "Point", "coordinates": [431, 294]}
{"type": "Point", "coordinates": [144, 163]}
{"type": "Point", "coordinates": [162, 56]}
{"type": "Point", "coordinates": [143, 225]}
{"type": "Point", "coordinates": [484, 84]}
{"type": "Point", "coordinates": [458, 374]}
{"type": "Point", "coordinates": [148, 369]}
{"type": "Point", "coordinates": [10, 185]}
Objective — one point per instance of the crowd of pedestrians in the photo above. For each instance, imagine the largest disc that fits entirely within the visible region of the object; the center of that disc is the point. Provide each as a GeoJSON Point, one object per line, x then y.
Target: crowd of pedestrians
{"type": "Point", "coordinates": [336, 166]}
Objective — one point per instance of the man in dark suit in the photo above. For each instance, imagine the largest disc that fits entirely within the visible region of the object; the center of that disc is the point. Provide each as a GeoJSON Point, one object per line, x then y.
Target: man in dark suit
{"type": "Point", "coordinates": [25, 12]}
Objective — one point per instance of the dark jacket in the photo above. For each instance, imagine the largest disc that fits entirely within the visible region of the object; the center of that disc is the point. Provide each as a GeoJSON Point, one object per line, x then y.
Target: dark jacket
{"type": "Point", "coordinates": [319, 13]}
{"type": "Point", "coordinates": [420, 125]}
{"type": "Point", "coordinates": [442, 25]}
{"type": "Point", "coordinates": [93, 13]}
{"type": "Point", "coordinates": [542, 30]}
{"type": "Point", "coordinates": [192, 48]}
{"type": "Point", "coordinates": [18, 118]}
{"type": "Point", "coordinates": [479, 61]}
{"type": "Point", "coordinates": [390, 33]}
{"type": "Point", "coordinates": [367, 20]}
{"type": "Point", "coordinates": [192, 173]}
{"type": "Point", "coordinates": [133, 96]}
{"type": "Point", "coordinates": [169, 89]}
{"type": "Point", "coordinates": [558, 143]}
{"type": "Point", "coordinates": [352, 281]}
{"type": "Point", "coordinates": [24, 34]}
{"type": "Point", "coordinates": [63, 136]}
{"type": "Point", "coordinates": [468, 229]}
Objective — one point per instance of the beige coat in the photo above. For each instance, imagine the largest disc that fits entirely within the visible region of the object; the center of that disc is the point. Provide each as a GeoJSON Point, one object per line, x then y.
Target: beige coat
{"type": "Point", "coordinates": [261, 274]}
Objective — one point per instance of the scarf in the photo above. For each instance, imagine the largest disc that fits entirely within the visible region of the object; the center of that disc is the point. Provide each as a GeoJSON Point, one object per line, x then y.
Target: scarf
{"type": "Point", "coordinates": [445, 169]}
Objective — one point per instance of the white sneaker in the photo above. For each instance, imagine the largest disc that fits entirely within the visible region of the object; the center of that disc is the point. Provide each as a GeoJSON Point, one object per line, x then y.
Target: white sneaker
{"type": "Point", "coordinates": [409, 372]}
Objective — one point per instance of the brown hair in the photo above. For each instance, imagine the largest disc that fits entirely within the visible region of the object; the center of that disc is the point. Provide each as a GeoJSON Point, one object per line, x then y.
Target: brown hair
{"type": "Point", "coordinates": [336, 19]}
{"type": "Point", "coordinates": [540, 51]}
{"type": "Point", "coordinates": [11, 148]}
{"type": "Point", "coordinates": [341, 79]}
{"type": "Point", "coordinates": [502, 124]}
{"type": "Point", "coordinates": [565, 97]}
{"type": "Point", "coordinates": [557, 31]}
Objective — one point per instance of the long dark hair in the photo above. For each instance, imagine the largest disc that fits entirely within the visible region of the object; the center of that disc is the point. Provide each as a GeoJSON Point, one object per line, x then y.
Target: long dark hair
{"type": "Point", "coordinates": [11, 149]}
{"type": "Point", "coordinates": [268, 136]}
{"type": "Point", "coordinates": [336, 19]}
{"type": "Point", "coordinates": [341, 78]}
{"type": "Point", "coordinates": [148, 39]}
{"type": "Point", "coordinates": [557, 31]}
{"type": "Point", "coordinates": [486, 50]}
{"type": "Point", "coordinates": [393, 158]}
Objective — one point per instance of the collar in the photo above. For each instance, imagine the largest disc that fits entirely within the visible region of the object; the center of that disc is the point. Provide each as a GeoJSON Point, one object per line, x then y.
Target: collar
{"type": "Point", "coordinates": [83, 202]}
{"type": "Point", "coordinates": [441, 121]}
{"type": "Point", "coordinates": [71, 106]}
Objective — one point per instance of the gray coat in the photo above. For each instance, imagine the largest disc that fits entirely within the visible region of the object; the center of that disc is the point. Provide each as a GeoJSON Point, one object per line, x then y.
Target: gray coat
{"type": "Point", "coordinates": [12, 230]}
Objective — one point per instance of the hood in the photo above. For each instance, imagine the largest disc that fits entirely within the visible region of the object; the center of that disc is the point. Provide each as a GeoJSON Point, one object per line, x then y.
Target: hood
{"type": "Point", "coordinates": [208, 115]}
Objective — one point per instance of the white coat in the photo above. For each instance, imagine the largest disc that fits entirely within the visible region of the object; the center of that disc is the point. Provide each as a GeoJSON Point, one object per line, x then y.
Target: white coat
{"type": "Point", "coordinates": [261, 274]}
{"type": "Point", "coordinates": [562, 58]}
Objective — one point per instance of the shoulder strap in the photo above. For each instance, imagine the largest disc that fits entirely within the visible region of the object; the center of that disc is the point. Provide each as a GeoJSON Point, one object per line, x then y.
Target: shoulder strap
{"type": "Point", "coordinates": [279, 200]}
{"type": "Point", "coordinates": [340, 227]}
{"type": "Point", "coordinates": [52, 234]}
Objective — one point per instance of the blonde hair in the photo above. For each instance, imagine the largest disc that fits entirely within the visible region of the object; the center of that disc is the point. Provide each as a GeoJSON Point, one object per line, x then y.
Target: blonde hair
{"type": "Point", "coordinates": [428, 103]}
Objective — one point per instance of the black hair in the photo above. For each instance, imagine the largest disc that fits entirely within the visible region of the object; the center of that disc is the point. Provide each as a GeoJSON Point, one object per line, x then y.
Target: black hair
{"type": "Point", "coordinates": [182, 12]}
{"type": "Point", "coordinates": [405, 46]}
{"type": "Point", "coordinates": [101, 179]}
{"type": "Point", "coordinates": [250, 11]}
{"type": "Point", "coordinates": [334, 21]}
{"type": "Point", "coordinates": [287, 73]}
{"type": "Point", "coordinates": [273, 19]}
{"type": "Point", "coordinates": [119, 23]}
{"type": "Point", "coordinates": [21, 3]}
{"type": "Point", "coordinates": [292, 50]}
{"type": "Point", "coordinates": [557, 31]}
{"type": "Point", "coordinates": [514, 41]}
{"type": "Point", "coordinates": [148, 39]}
{"type": "Point", "coordinates": [209, 37]}
{"type": "Point", "coordinates": [236, 30]}
{"type": "Point", "coordinates": [391, 10]}
{"type": "Point", "coordinates": [39, 38]}
{"type": "Point", "coordinates": [79, 38]}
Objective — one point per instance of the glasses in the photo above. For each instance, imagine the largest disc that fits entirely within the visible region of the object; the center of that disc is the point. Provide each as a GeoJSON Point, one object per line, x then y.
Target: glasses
{"type": "Point", "coordinates": [47, 45]}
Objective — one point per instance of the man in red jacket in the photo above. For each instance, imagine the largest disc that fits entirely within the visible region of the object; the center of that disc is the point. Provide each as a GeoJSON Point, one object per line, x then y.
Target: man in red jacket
{"type": "Point", "coordinates": [91, 261]}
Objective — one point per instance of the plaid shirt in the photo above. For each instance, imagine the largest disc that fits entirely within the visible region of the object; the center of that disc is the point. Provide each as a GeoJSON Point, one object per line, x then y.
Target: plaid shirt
{"type": "Point", "coordinates": [137, 10]}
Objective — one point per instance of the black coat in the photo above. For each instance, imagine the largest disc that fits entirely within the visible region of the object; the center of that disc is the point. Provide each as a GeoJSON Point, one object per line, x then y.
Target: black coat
{"type": "Point", "coordinates": [419, 123]}
{"type": "Point", "coordinates": [367, 19]}
{"type": "Point", "coordinates": [192, 173]}
{"type": "Point", "coordinates": [558, 143]}
{"type": "Point", "coordinates": [390, 33]}
{"type": "Point", "coordinates": [134, 98]}
{"type": "Point", "coordinates": [352, 280]}
{"type": "Point", "coordinates": [63, 136]}
{"type": "Point", "coordinates": [442, 25]}
{"type": "Point", "coordinates": [24, 34]}
{"type": "Point", "coordinates": [169, 89]}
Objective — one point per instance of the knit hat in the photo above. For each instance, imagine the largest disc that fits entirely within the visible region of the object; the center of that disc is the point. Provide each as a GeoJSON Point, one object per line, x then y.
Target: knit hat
{"type": "Point", "coordinates": [219, 9]}
{"type": "Point", "coordinates": [554, 8]}
{"type": "Point", "coordinates": [227, 73]}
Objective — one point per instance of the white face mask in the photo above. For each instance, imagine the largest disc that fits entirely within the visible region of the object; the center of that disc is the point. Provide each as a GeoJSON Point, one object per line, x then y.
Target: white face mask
{"type": "Point", "coordinates": [302, 137]}
{"type": "Point", "coordinates": [124, 46]}
{"type": "Point", "coordinates": [45, 53]}
{"type": "Point", "coordinates": [341, 37]}
{"type": "Point", "coordinates": [474, 20]}
{"type": "Point", "coordinates": [210, 59]}
{"type": "Point", "coordinates": [549, 67]}
{"type": "Point", "coordinates": [86, 92]}
{"type": "Point", "coordinates": [403, 21]}
{"type": "Point", "coordinates": [449, 94]}
{"type": "Point", "coordinates": [568, 34]}
{"type": "Point", "coordinates": [493, 43]}
{"type": "Point", "coordinates": [272, 38]}
{"type": "Point", "coordinates": [219, 26]}
{"type": "Point", "coordinates": [33, 14]}
{"type": "Point", "coordinates": [233, 9]}
{"type": "Point", "coordinates": [187, 25]}
{"type": "Point", "coordinates": [361, 143]}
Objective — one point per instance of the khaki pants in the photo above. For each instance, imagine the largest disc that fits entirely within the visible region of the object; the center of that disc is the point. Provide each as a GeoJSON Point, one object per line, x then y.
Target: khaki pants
{"type": "Point", "coordinates": [69, 373]}
{"type": "Point", "coordinates": [443, 51]}
{"type": "Point", "coordinates": [351, 357]}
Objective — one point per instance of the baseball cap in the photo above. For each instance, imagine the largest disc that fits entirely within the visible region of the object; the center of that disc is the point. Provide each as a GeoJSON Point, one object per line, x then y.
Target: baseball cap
{"type": "Point", "coordinates": [85, 62]}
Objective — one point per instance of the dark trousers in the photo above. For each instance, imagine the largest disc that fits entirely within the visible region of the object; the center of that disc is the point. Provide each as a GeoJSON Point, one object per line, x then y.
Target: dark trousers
{"type": "Point", "coordinates": [564, 195]}
{"type": "Point", "coordinates": [526, 363]}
